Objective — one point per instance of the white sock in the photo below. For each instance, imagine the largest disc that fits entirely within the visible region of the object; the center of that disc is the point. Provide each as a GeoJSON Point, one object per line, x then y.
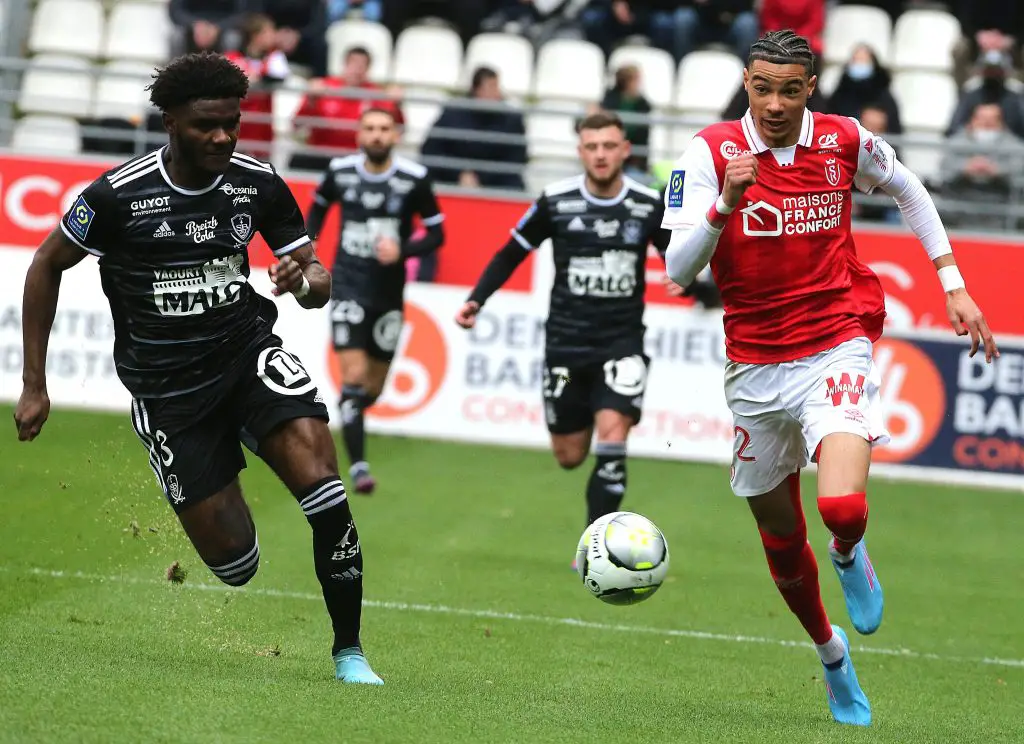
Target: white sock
{"type": "Point", "coordinates": [835, 551]}
{"type": "Point", "coordinates": [832, 650]}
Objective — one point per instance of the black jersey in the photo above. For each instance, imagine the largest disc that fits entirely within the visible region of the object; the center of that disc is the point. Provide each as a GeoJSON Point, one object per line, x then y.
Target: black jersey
{"type": "Point", "coordinates": [174, 265]}
{"type": "Point", "coordinates": [373, 205]}
{"type": "Point", "coordinates": [600, 250]}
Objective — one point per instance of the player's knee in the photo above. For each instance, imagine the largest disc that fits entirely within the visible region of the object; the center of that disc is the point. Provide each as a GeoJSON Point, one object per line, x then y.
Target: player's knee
{"type": "Point", "coordinates": [844, 515]}
{"type": "Point", "coordinates": [569, 457]}
{"type": "Point", "coordinates": [240, 563]}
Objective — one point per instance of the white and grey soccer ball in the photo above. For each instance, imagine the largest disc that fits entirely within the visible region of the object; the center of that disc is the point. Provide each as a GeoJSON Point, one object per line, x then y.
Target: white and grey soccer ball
{"type": "Point", "coordinates": [622, 558]}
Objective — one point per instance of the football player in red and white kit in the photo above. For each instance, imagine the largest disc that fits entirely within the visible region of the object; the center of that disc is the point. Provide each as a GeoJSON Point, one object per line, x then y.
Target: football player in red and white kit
{"type": "Point", "coordinates": [766, 200]}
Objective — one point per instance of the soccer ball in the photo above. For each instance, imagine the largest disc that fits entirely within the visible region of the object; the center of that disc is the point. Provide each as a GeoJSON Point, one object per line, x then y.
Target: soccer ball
{"type": "Point", "coordinates": [622, 558]}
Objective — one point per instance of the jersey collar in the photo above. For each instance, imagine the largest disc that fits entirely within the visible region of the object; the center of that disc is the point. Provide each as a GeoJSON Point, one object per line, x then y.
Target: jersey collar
{"type": "Point", "coordinates": [598, 201]}
{"type": "Point", "coordinates": [757, 145]}
{"type": "Point", "coordinates": [176, 187]}
{"type": "Point", "coordinates": [375, 177]}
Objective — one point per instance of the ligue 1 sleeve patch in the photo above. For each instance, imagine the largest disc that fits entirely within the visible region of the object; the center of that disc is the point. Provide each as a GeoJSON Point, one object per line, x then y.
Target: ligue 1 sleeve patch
{"type": "Point", "coordinates": [80, 218]}
{"type": "Point", "coordinates": [674, 198]}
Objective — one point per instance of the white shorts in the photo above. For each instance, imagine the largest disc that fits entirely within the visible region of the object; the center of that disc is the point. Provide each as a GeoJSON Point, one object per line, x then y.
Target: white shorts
{"type": "Point", "coordinates": [781, 412]}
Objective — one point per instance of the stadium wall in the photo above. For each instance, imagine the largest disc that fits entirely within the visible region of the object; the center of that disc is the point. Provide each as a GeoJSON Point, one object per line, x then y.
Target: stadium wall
{"type": "Point", "coordinates": [953, 419]}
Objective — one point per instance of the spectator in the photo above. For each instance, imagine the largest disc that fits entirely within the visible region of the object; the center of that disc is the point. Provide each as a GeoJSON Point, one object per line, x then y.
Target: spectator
{"type": "Point", "coordinates": [625, 97]}
{"type": "Point", "coordinates": [606, 22]}
{"type": "Point", "coordinates": [327, 99]}
{"type": "Point", "coordinates": [865, 83]}
{"type": "Point", "coordinates": [988, 26]}
{"type": "Point", "coordinates": [465, 15]}
{"type": "Point", "coordinates": [805, 17]}
{"type": "Point", "coordinates": [979, 162]}
{"type": "Point", "coordinates": [875, 119]}
{"type": "Point", "coordinates": [456, 145]}
{"type": "Point", "coordinates": [705, 21]}
{"type": "Point", "coordinates": [266, 67]}
{"type": "Point", "coordinates": [991, 84]}
{"type": "Point", "coordinates": [209, 25]}
{"type": "Point", "coordinates": [368, 10]}
{"type": "Point", "coordinates": [301, 31]}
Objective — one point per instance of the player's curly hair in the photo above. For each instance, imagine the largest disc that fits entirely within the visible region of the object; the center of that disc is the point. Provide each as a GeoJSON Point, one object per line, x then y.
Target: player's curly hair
{"type": "Point", "coordinates": [782, 48]}
{"type": "Point", "coordinates": [204, 75]}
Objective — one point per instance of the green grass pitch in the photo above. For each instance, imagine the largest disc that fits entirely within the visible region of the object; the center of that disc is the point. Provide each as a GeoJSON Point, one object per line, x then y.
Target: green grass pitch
{"type": "Point", "coordinates": [473, 617]}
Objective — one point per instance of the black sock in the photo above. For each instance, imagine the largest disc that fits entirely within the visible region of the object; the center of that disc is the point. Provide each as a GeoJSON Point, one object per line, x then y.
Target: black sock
{"type": "Point", "coordinates": [337, 557]}
{"type": "Point", "coordinates": [354, 401]}
{"type": "Point", "coordinates": [607, 484]}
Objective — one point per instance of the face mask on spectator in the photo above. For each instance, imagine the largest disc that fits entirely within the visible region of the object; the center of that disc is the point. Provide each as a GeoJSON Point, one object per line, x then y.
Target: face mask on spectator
{"type": "Point", "coordinates": [985, 136]}
{"type": "Point", "coordinates": [860, 70]}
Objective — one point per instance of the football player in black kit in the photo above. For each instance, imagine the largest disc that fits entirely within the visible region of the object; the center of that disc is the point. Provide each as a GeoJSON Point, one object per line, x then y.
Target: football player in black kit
{"type": "Point", "coordinates": [378, 193]}
{"type": "Point", "coordinates": [595, 369]}
{"type": "Point", "coordinates": [194, 343]}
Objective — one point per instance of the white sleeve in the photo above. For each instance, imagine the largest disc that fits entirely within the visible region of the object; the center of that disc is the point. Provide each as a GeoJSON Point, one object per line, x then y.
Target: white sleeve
{"type": "Point", "coordinates": [876, 161]}
{"type": "Point", "coordinates": [693, 189]}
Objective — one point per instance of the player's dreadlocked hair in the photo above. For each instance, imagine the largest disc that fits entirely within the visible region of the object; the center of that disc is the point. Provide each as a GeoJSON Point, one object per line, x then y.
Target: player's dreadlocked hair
{"type": "Point", "coordinates": [782, 48]}
{"type": "Point", "coordinates": [191, 77]}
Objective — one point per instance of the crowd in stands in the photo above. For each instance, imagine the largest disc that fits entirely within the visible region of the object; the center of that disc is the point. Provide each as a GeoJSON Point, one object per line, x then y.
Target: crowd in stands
{"type": "Point", "coordinates": [479, 137]}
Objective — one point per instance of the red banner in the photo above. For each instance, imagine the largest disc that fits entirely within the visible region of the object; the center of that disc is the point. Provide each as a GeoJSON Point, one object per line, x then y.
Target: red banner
{"type": "Point", "coordinates": [35, 191]}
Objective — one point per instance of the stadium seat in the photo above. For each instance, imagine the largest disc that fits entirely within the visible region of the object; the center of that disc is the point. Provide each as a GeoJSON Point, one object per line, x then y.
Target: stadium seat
{"type": "Point", "coordinates": [427, 57]}
{"type": "Point", "coordinates": [138, 31]}
{"type": "Point", "coordinates": [569, 69]}
{"type": "Point", "coordinates": [926, 99]}
{"type": "Point", "coordinates": [121, 90]}
{"type": "Point", "coordinates": [846, 26]}
{"type": "Point", "coordinates": [924, 40]}
{"type": "Point", "coordinates": [657, 71]}
{"type": "Point", "coordinates": [509, 55]}
{"type": "Point", "coordinates": [707, 81]}
{"type": "Point", "coordinates": [419, 118]}
{"type": "Point", "coordinates": [374, 37]}
{"type": "Point", "coordinates": [287, 100]}
{"type": "Point", "coordinates": [67, 27]}
{"type": "Point", "coordinates": [829, 77]}
{"type": "Point", "coordinates": [552, 134]}
{"type": "Point", "coordinates": [47, 134]}
{"type": "Point", "coordinates": [67, 92]}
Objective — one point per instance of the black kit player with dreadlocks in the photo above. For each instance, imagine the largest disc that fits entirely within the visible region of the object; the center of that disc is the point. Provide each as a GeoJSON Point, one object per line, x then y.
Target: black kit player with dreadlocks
{"type": "Point", "coordinates": [379, 194]}
{"type": "Point", "coordinates": [595, 368]}
{"type": "Point", "coordinates": [194, 342]}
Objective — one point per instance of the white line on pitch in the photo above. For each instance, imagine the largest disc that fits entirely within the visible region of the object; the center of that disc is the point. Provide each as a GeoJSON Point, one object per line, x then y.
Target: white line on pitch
{"type": "Point", "coordinates": [517, 617]}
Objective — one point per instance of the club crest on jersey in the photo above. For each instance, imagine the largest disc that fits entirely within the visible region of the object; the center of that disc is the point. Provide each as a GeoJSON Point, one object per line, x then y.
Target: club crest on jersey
{"type": "Point", "coordinates": [674, 197]}
{"type": "Point", "coordinates": [632, 231]}
{"type": "Point", "coordinates": [730, 150]}
{"type": "Point", "coordinates": [832, 172]}
{"type": "Point", "coordinates": [241, 226]}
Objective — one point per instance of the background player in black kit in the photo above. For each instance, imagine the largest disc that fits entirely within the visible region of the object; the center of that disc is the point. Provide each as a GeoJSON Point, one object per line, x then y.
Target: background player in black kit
{"type": "Point", "coordinates": [379, 193]}
{"type": "Point", "coordinates": [194, 343]}
{"type": "Point", "coordinates": [595, 368]}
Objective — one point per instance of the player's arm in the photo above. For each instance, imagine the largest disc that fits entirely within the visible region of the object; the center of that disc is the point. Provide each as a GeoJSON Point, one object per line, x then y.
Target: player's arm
{"type": "Point", "coordinates": [325, 195]}
{"type": "Point", "coordinates": [298, 270]}
{"type": "Point", "coordinates": [696, 208]}
{"type": "Point", "coordinates": [877, 167]}
{"type": "Point", "coordinates": [86, 228]}
{"type": "Point", "coordinates": [425, 205]}
{"type": "Point", "coordinates": [533, 228]}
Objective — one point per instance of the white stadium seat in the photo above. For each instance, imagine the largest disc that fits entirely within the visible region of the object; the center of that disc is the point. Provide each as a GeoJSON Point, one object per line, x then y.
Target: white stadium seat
{"type": "Point", "coordinates": [374, 37]}
{"type": "Point", "coordinates": [657, 71]}
{"type": "Point", "coordinates": [427, 56]}
{"type": "Point", "coordinates": [552, 135]}
{"type": "Point", "coordinates": [121, 90]}
{"type": "Point", "coordinates": [39, 133]}
{"type": "Point", "coordinates": [828, 78]}
{"type": "Point", "coordinates": [419, 118]}
{"type": "Point", "coordinates": [66, 91]}
{"type": "Point", "coordinates": [846, 26]}
{"type": "Point", "coordinates": [924, 40]}
{"type": "Point", "coordinates": [926, 99]}
{"type": "Point", "coordinates": [67, 27]}
{"type": "Point", "coordinates": [509, 55]}
{"type": "Point", "coordinates": [569, 69]}
{"type": "Point", "coordinates": [139, 31]}
{"type": "Point", "coordinates": [707, 81]}
{"type": "Point", "coordinates": [287, 100]}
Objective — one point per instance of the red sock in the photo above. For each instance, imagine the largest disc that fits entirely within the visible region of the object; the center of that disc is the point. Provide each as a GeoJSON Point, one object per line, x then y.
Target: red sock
{"type": "Point", "coordinates": [792, 564]}
{"type": "Point", "coordinates": [846, 518]}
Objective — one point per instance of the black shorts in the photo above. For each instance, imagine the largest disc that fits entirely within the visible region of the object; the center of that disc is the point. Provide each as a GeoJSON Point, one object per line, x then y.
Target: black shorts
{"type": "Point", "coordinates": [372, 329]}
{"type": "Point", "coordinates": [574, 393]}
{"type": "Point", "coordinates": [195, 440]}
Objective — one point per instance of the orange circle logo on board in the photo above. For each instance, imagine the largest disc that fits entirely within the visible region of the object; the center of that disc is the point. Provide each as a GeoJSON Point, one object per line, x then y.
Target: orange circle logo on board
{"type": "Point", "coordinates": [913, 399]}
{"type": "Point", "coordinates": [417, 372]}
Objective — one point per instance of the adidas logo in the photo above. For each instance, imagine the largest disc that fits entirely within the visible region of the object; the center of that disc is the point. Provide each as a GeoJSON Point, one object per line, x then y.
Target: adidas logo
{"type": "Point", "coordinates": [164, 231]}
{"type": "Point", "coordinates": [577, 224]}
{"type": "Point", "coordinates": [349, 574]}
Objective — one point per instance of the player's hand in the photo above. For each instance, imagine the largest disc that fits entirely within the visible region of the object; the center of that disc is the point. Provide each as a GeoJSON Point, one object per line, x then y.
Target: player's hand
{"type": "Point", "coordinates": [466, 317]}
{"type": "Point", "coordinates": [30, 415]}
{"type": "Point", "coordinates": [286, 275]}
{"type": "Point", "coordinates": [388, 251]}
{"type": "Point", "coordinates": [740, 174]}
{"type": "Point", "coordinates": [966, 318]}
{"type": "Point", "coordinates": [671, 288]}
